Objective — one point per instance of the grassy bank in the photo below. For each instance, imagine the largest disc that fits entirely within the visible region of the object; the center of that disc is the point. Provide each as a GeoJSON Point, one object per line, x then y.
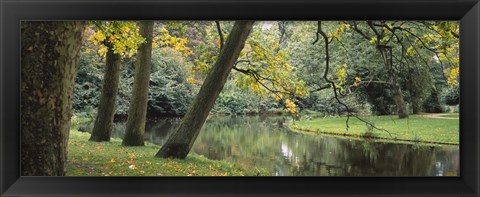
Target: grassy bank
{"type": "Point", "coordinates": [451, 115]}
{"type": "Point", "coordinates": [416, 128]}
{"type": "Point", "coordinates": [112, 159]}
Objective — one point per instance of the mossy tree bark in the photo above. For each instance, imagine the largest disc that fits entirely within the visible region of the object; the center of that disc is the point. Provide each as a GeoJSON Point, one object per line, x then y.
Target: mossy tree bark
{"type": "Point", "coordinates": [179, 143]}
{"type": "Point", "coordinates": [106, 107]}
{"type": "Point", "coordinates": [386, 52]}
{"type": "Point", "coordinates": [138, 105]}
{"type": "Point", "coordinates": [50, 54]}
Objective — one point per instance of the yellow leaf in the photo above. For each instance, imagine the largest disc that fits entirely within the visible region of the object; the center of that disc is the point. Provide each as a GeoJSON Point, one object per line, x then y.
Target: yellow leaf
{"type": "Point", "coordinates": [290, 105]}
{"type": "Point", "coordinates": [357, 81]}
{"type": "Point", "coordinates": [191, 80]}
{"type": "Point", "coordinates": [410, 52]}
{"type": "Point", "coordinates": [452, 78]}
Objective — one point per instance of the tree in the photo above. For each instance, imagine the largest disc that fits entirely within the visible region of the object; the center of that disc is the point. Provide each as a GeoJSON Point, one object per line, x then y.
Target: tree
{"type": "Point", "coordinates": [50, 53]}
{"type": "Point", "coordinates": [266, 71]}
{"type": "Point", "coordinates": [106, 107]}
{"type": "Point", "coordinates": [387, 56]}
{"type": "Point", "coordinates": [170, 91]}
{"type": "Point", "coordinates": [179, 143]}
{"type": "Point", "coordinates": [119, 40]}
{"type": "Point", "coordinates": [381, 40]}
{"type": "Point", "coordinates": [138, 104]}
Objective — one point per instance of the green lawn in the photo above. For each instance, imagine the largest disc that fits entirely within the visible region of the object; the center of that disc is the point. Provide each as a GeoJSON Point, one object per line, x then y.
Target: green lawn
{"type": "Point", "coordinates": [415, 128]}
{"type": "Point", "coordinates": [451, 115]}
{"type": "Point", "coordinates": [112, 159]}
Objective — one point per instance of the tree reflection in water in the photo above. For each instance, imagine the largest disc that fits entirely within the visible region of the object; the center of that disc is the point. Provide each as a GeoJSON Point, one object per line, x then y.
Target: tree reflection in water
{"type": "Point", "coordinates": [263, 142]}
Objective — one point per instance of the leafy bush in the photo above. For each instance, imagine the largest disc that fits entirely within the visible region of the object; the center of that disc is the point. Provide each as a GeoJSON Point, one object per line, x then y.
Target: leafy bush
{"type": "Point", "coordinates": [87, 88]}
{"type": "Point", "coordinates": [451, 96]}
{"type": "Point", "coordinates": [432, 104]}
{"type": "Point", "coordinates": [234, 100]}
{"type": "Point", "coordinates": [169, 93]}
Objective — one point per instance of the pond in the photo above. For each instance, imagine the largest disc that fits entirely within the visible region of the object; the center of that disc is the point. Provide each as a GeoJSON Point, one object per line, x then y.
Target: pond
{"type": "Point", "coordinates": [265, 142]}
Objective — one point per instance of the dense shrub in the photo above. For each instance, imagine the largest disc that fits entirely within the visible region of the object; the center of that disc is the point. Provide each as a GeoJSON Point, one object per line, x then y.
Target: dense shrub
{"type": "Point", "coordinates": [234, 100]}
{"type": "Point", "coordinates": [169, 93]}
{"type": "Point", "coordinates": [451, 95]}
{"type": "Point", "coordinates": [432, 104]}
{"type": "Point", "coordinates": [88, 82]}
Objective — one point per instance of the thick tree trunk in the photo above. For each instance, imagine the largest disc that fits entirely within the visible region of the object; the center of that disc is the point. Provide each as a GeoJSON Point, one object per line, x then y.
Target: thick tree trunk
{"type": "Point", "coordinates": [397, 91]}
{"type": "Point", "coordinates": [106, 107]}
{"type": "Point", "coordinates": [180, 142]}
{"type": "Point", "coordinates": [416, 106]}
{"type": "Point", "coordinates": [138, 104]}
{"type": "Point", "coordinates": [50, 54]}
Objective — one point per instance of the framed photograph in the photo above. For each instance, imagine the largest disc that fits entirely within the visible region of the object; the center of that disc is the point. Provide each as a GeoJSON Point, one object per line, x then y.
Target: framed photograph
{"type": "Point", "coordinates": [247, 98]}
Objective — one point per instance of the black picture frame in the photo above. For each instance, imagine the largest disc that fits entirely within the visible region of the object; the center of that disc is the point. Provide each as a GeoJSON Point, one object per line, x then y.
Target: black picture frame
{"type": "Point", "coordinates": [12, 12]}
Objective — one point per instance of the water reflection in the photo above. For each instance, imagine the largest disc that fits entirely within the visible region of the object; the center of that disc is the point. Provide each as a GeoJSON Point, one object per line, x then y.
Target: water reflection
{"type": "Point", "coordinates": [262, 142]}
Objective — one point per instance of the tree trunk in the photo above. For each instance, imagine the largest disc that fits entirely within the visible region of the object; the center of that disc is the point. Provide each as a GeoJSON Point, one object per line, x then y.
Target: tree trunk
{"type": "Point", "coordinates": [49, 59]}
{"type": "Point", "coordinates": [106, 107]}
{"type": "Point", "coordinates": [138, 104]}
{"type": "Point", "coordinates": [415, 100]}
{"type": "Point", "coordinates": [386, 52]}
{"type": "Point", "coordinates": [416, 106]}
{"type": "Point", "coordinates": [180, 142]}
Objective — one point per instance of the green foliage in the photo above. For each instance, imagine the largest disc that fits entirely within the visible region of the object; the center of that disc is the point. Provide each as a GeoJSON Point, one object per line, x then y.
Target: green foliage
{"type": "Point", "coordinates": [169, 93]}
{"type": "Point", "coordinates": [233, 100]}
{"type": "Point", "coordinates": [433, 103]}
{"type": "Point", "coordinates": [417, 83]}
{"type": "Point", "coordinates": [124, 36]}
{"type": "Point", "coordinates": [415, 46]}
{"type": "Point", "coordinates": [451, 95]}
{"type": "Point", "coordinates": [88, 82]}
{"type": "Point", "coordinates": [167, 40]}
{"type": "Point", "coordinates": [288, 68]}
{"type": "Point", "coordinates": [324, 102]}
{"type": "Point", "coordinates": [205, 46]}
{"type": "Point", "coordinates": [352, 62]}
{"type": "Point", "coordinates": [266, 70]}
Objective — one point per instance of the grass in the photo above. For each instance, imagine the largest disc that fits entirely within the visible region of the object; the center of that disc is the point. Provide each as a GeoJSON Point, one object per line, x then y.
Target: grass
{"type": "Point", "coordinates": [75, 121]}
{"type": "Point", "coordinates": [451, 115]}
{"type": "Point", "coordinates": [112, 159]}
{"type": "Point", "coordinates": [415, 128]}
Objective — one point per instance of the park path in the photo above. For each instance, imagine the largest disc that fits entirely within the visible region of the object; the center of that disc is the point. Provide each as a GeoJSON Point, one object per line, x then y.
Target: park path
{"type": "Point", "coordinates": [439, 116]}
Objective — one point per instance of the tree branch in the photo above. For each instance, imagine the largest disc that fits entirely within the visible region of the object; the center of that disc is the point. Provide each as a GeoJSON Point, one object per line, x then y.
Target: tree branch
{"type": "Point", "coordinates": [356, 29]}
{"type": "Point", "coordinates": [325, 76]}
{"type": "Point", "coordinates": [219, 29]}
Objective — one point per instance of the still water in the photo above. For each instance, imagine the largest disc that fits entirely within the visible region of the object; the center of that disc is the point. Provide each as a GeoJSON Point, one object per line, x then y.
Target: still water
{"type": "Point", "coordinates": [264, 142]}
